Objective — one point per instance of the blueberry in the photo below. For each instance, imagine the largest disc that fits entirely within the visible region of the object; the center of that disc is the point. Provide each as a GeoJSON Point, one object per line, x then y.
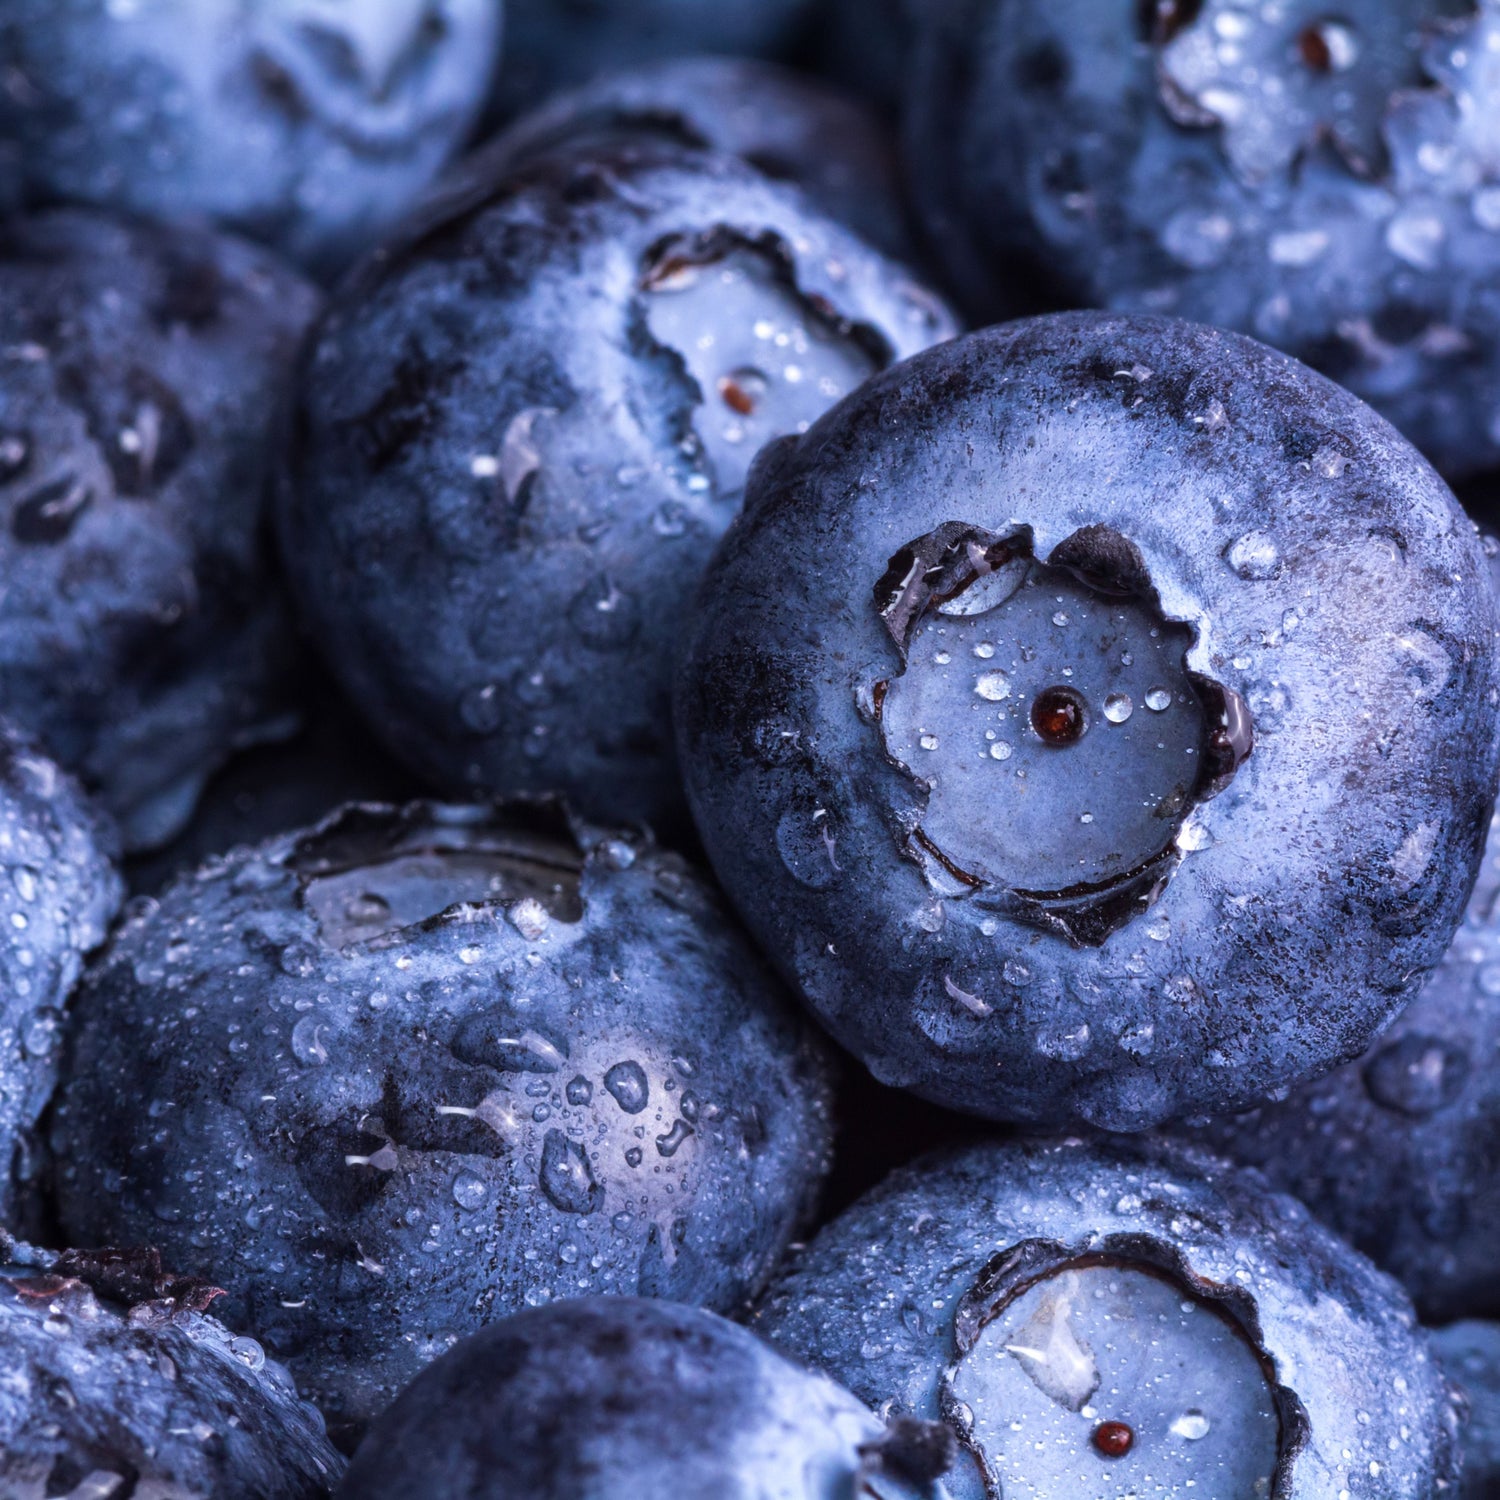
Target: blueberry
{"type": "Point", "coordinates": [140, 636]}
{"type": "Point", "coordinates": [310, 124]}
{"type": "Point", "coordinates": [623, 1397]}
{"type": "Point", "coordinates": [1095, 719]}
{"type": "Point", "coordinates": [118, 1383]}
{"type": "Point", "coordinates": [58, 892]}
{"type": "Point", "coordinates": [1470, 1353]}
{"type": "Point", "coordinates": [419, 1067]}
{"type": "Point", "coordinates": [1396, 1151]}
{"type": "Point", "coordinates": [280, 787]}
{"type": "Point", "coordinates": [522, 432]}
{"type": "Point", "coordinates": [789, 126]}
{"type": "Point", "coordinates": [1324, 180]}
{"type": "Point", "coordinates": [551, 46]}
{"type": "Point", "coordinates": [1096, 1320]}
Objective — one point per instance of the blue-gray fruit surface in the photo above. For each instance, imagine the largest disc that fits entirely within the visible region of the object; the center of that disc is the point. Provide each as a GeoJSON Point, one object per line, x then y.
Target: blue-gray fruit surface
{"type": "Point", "coordinates": [414, 1069]}
{"type": "Point", "coordinates": [788, 125]}
{"type": "Point", "coordinates": [1095, 719]}
{"type": "Point", "coordinates": [523, 428]}
{"type": "Point", "coordinates": [553, 44]}
{"type": "Point", "coordinates": [117, 1383]}
{"type": "Point", "coordinates": [1135, 1319]}
{"type": "Point", "coordinates": [1399, 1151]}
{"type": "Point", "coordinates": [1327, 180]}
{"type": "Point", "coordinates": [309, 124]}
{"type": "Point", "coordinates": [1470, 1354]}
{"type": "Point", "coordinates": [58, 893]}
{"type": "Point", "coordinates": [141, 639]}
{"type": "Point", "coordinates": [600, 1399]}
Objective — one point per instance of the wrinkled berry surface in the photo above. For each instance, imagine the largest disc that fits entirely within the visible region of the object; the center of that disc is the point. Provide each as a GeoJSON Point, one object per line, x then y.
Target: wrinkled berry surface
{"type": "Point", "coordinates": [789, 126]}
{"type": "Point", "coordinates": [1326, 181]}
{"type": "Point", "coordinates": [627, 1397]}
{"type": "Point", "coordinates": [141, 637]}
{"type": "Point", "coordinates": [522, 431]}
{"type": "Point", "coordinates": [58, 893]}
{"type": "Point", "coordinates": [146, 1396]}
{"type": "Point", "coordinates": [310, 124]}
{"type": "Point", "coordinates": [1095, 719]}
{"type": "Point", "coordinates": [414, 1069]}
{"type": "Point", "coordinates": [1397, 1150]}
{"type": "Point", "coordinates": [1031, 1293]}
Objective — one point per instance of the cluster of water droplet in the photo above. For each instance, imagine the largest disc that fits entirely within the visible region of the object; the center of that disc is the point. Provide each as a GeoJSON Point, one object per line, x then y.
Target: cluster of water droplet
{"type": "Point", "coordinates": [488, 1048]}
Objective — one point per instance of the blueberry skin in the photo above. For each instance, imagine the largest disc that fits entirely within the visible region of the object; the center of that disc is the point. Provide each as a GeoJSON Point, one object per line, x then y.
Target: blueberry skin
{"type": "Point", "coordinates": [1351, 218]}
{"type": "Point", "coordinates": [307, 124]}
{"type": "Point", "coordinates": [788, 125]}
{"type": "Point", "coordinates": [882, 1299]}
{"type": "Point", "coordinates": [59, 891]}
{"type": "Point", "coordinates": [152, 1395]}
{"type": "Point", "coordinates": [1470, 1353]}
{"type": "Point", "coordinates": [417, 1068]}
{"type": "Point", "coordinates": [507, 477]}
{"type": "Point", "coordinates": [614, 1396]}
{"type": "Point", "coordinates": [1397, 1151]}
{"type": "Point", "coordinates": [141, 636]}
{"type": "Point", "coordinates": [1337, 591]}
{"type": "Point", "coordinates": [552, 46]}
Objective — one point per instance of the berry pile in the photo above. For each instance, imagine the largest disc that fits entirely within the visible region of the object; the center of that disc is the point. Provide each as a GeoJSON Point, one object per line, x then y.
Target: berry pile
{"type": "Point", "coordinates": [749, 751]}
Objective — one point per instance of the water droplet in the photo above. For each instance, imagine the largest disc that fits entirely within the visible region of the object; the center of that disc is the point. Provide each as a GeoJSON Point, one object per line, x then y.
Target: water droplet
{"type": "Point", "coordinates": [469, 1191]}
{"type": "Point", "coordinates": [1191, 1425]}
{"type": "Point", "coordinates": [994, 687]}
{"type": "Point", "coordinates": [1015, 972]}
{"type": "Point", "coordinates": [1158, 700]}
{"type": "Point", "coordinates": [298, 960]}
{"type": "Point", "coordinates": [1118, 708]}
{"type": "Point", "coordinates": [669, 1143]}
{"type": "Point", "coordinates": [626, 1083]}
{"type": "Point", "coordinates": [529, 917]}
{"type": "Point", "coordinates": [41, 1033]}
{"type": "Point", "coordinates": [984, 651]}
{"type": "Point", "coordinates": [482, 709]}
{"type": "Point", "coordinates": [1060, 618]}
{"type": "Point", "coordinates": [633, 1157]}
{"type": "Point", "coordinates": [1254, 557]}
{"type": "Point", "coordinates": [928, 741]}
{"type": "Point", "coordinates": [580, 1091]}
{"type": "Point", "coordinates": [1000, 750]}
{"type": "Point", "coordinates": [1417, 1075]}
{"type": "Point", "coordinates": [604, 616]}
{"type": "Point", "coordinates": [566, 1177]}
{"type": "Point", "coordinates": [670, 519]}
{"type": "Point", "coordinates": [309, 1041]}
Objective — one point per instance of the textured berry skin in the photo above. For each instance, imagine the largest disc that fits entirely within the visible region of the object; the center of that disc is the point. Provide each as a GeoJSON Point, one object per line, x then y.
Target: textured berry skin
{"type": "Point", "coordinates": [507, 477]}
{"type": "Point", "coordinates": [1340, 606]}
{"type": "Point", "coordinates": [58, 893]}
{"type": "Point", "coordinates": [623, 1397]}
{"type": "Point", "coordinates": [790, 126]}
{"type": "Point", "coordinates": [304, 123]}
{"type": "Point", "coordinates": [1326, 181]}
{"type": "Point", "coordinates": [884, 1299]}
{"type": "Point", "coordinates": [412, 1070]}
{"type": "Point", "coordinates": [1470, 1354]}
{"type": "Point", "coordinates": [141, 637]}
{"type": "Point", "coordinates": [552, 46]}
{"type": "Point", "coordinates": [147, 1397]}
{"type": "Point", "coordinates": [1397, 1152]}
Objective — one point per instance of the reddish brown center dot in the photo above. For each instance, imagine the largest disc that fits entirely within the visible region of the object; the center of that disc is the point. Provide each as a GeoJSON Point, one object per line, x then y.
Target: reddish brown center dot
{"type": "Point", "coordinates": [735, 396]}
{"type": "Point", "coordinates": [1113, 1439]}
{"type": "Point", "coordinates": [1314, 49]}
{"type": "Point", "coordinates": [1058, 716]}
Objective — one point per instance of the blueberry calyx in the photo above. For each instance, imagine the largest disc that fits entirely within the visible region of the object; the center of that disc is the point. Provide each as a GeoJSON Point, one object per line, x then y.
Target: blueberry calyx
{"type": "Point", "coordinates": [372, 871]}
{"type": "Point", "coordinates": [1008, 1284]}
{"type": "Point", "coordinates": [1058, 690]}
